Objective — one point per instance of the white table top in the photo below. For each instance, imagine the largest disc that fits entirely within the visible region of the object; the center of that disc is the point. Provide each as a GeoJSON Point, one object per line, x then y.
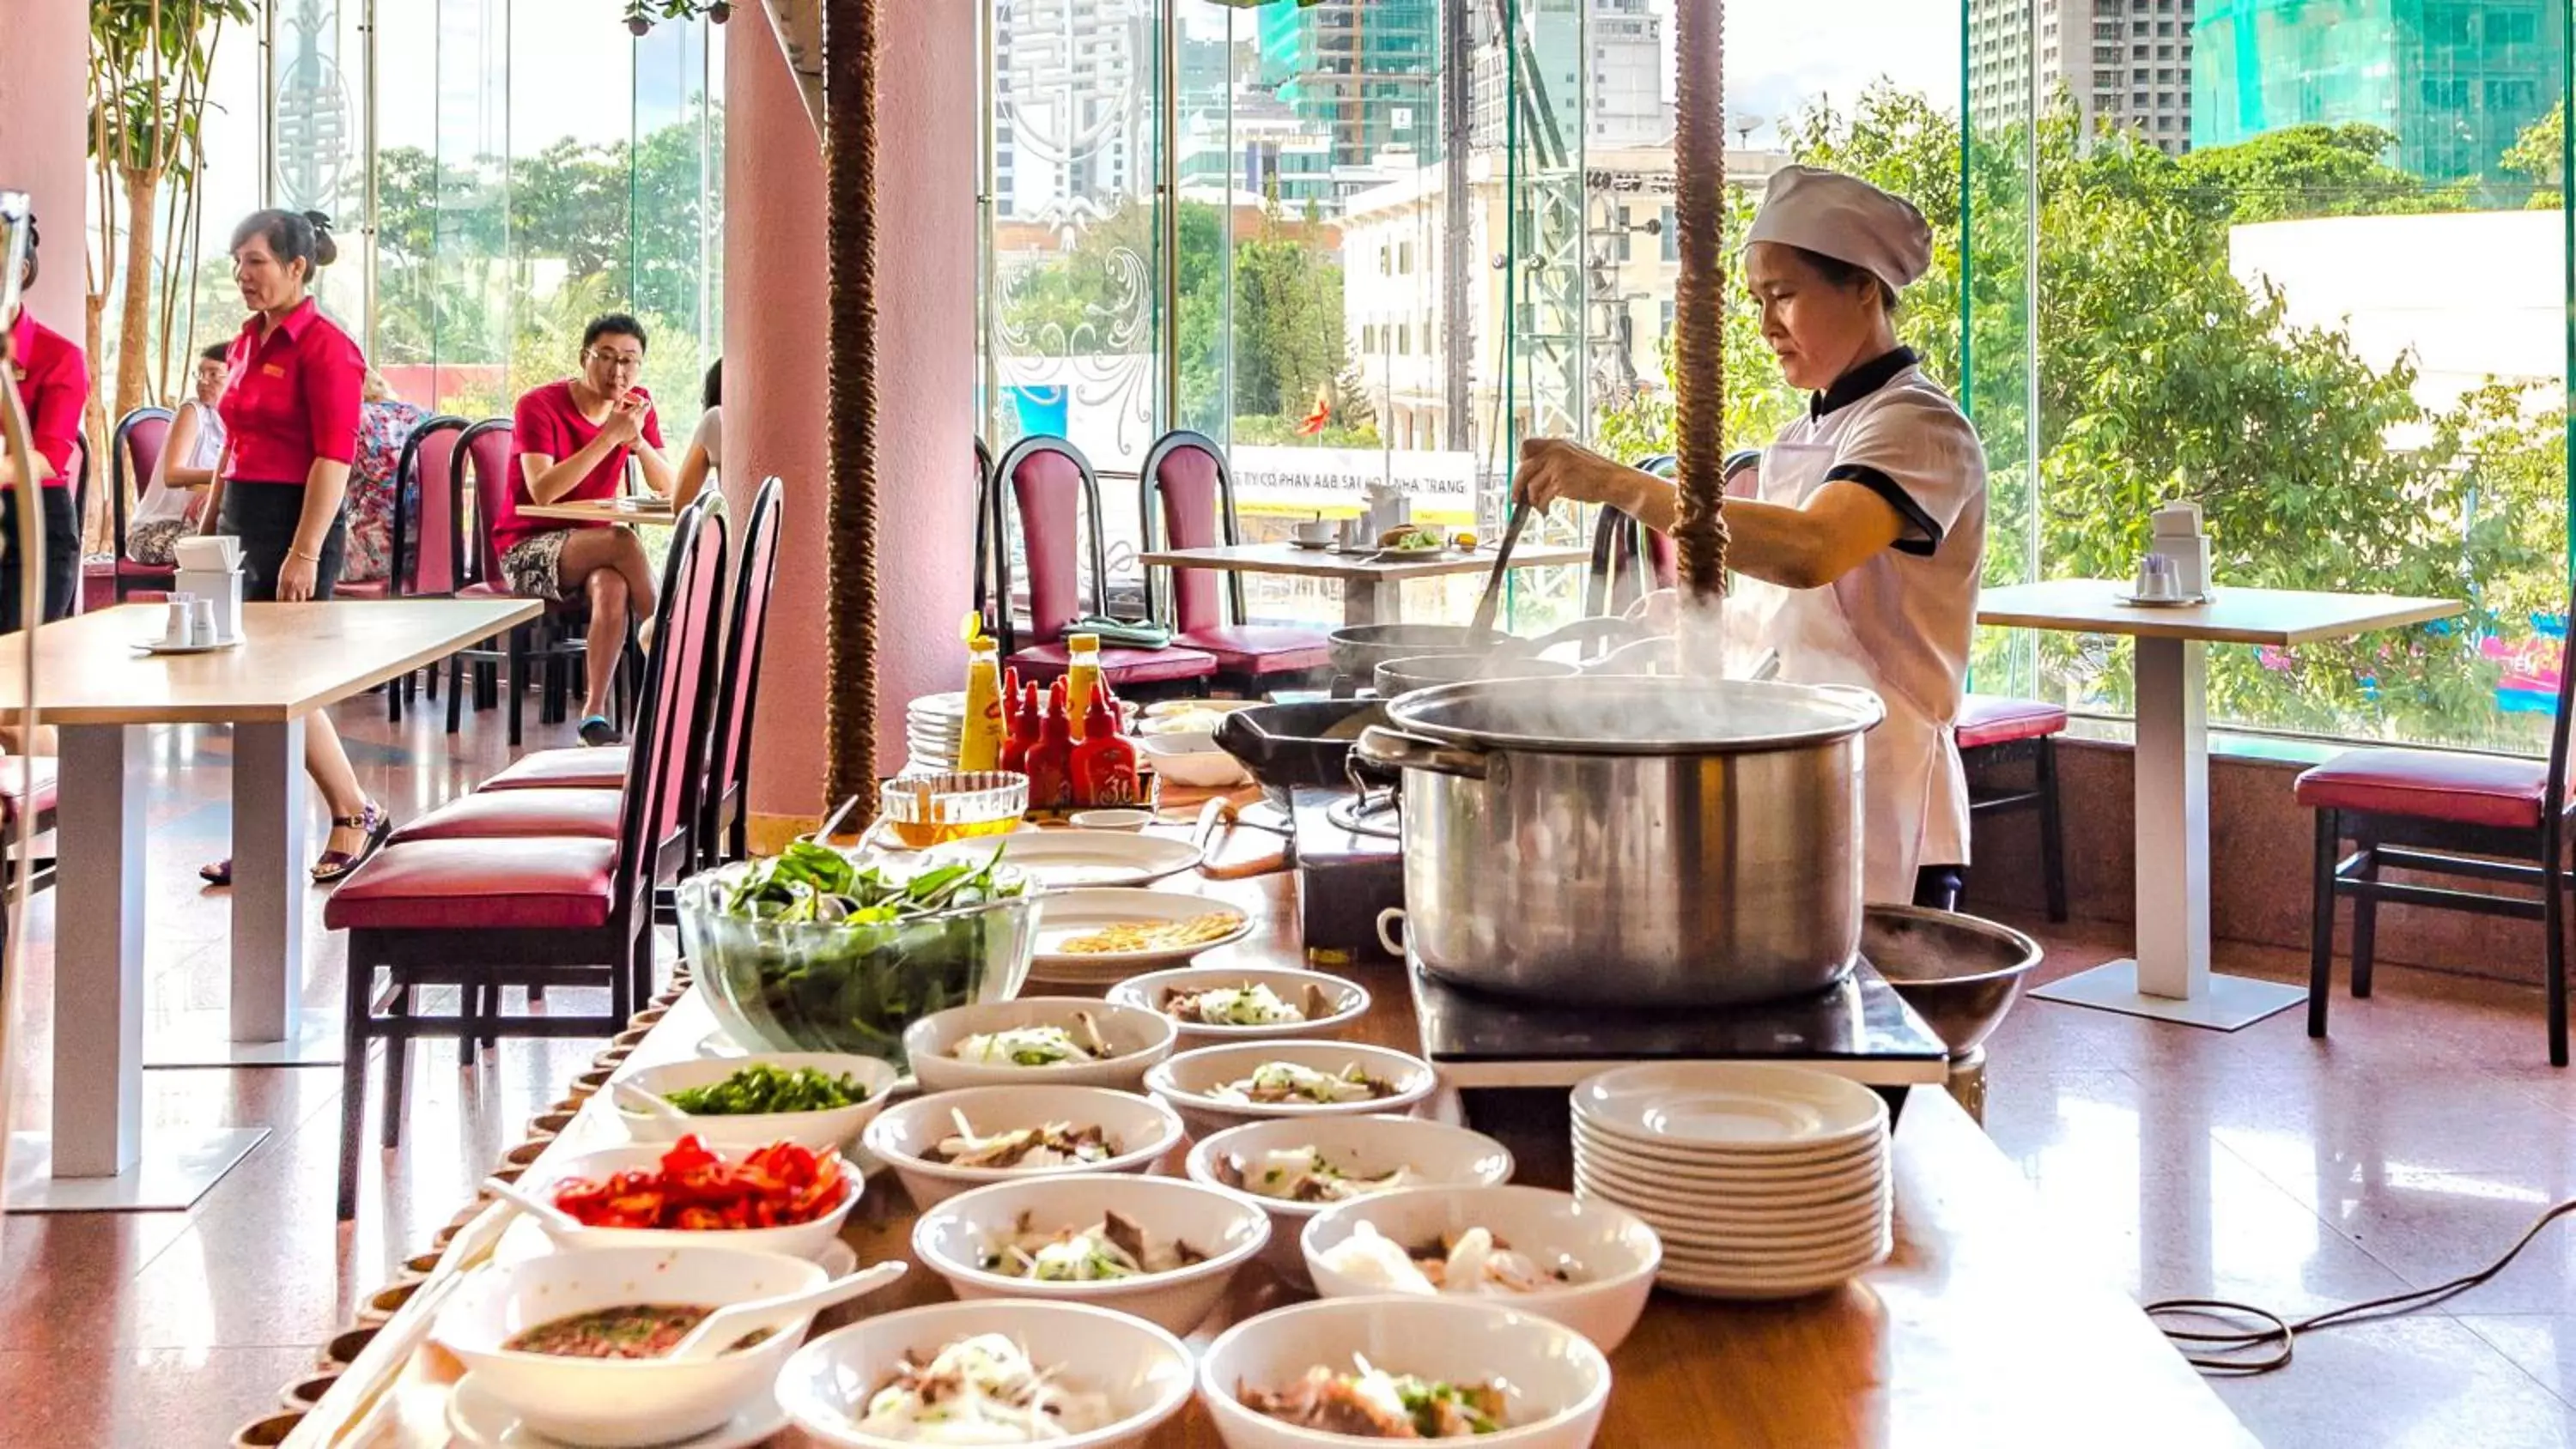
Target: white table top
{"type": "Point", "coordinates": [1281, 558]}
{"type": "Point", "coordinates": [2234, 615]}
{"type": "Point", "coordinates": [293, 659]}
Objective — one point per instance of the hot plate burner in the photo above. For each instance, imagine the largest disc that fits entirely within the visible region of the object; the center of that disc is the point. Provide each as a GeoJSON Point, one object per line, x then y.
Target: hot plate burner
{"type": "Point", "coordinates": [1374, 813]}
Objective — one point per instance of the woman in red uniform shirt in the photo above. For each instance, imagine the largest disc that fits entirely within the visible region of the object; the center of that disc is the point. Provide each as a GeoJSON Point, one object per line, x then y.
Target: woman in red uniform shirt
{"type": "Point", "coordinates": [53, 381]}
{"type": "Point", "coordinates": [290, 411]}
{"type": "Point", "coordinates": [572, 439]}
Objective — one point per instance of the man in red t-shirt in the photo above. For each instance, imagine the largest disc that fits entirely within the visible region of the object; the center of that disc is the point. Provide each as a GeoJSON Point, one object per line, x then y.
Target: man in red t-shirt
{"type": "Point", "coordinates": [571, 440]}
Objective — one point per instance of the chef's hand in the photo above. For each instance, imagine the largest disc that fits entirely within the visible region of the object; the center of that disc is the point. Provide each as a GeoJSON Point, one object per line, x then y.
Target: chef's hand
{"type": "Point", "coordinates": [295, 578]}
{"type": "Point", "coordinates": [1553, 469]}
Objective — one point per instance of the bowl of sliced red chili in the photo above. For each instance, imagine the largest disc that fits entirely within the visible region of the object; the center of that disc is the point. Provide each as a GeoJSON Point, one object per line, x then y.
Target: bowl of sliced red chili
{"type": "Point", "coordinates": [782, 1198]}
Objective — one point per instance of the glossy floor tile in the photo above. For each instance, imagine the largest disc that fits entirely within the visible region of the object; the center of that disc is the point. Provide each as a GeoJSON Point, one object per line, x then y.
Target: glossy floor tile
{"type": "Point", "coordinates": [2411, 1144]}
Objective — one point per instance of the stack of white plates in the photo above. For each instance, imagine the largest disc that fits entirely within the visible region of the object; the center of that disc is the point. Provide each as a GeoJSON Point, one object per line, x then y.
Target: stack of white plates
{"type": "Point", "coordinates": [933, 727]}
{"type": "Point", "coordinates": [1764, 1181]}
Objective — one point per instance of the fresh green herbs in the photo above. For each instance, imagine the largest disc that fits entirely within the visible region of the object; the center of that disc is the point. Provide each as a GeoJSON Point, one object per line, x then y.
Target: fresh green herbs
{"type": "Point", "coordinates": [762, 1087]}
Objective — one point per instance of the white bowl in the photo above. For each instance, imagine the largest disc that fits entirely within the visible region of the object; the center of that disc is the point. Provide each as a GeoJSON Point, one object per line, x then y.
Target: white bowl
{"type": "Point", "coordinates": [1143, 1370]}
{"type": "Point", "coordinates": [952, 1238]}
{"type": "Point", "coordinates": [1558, 1383]}
{"type": "Point", "coordinates": [1141, 1038]}
{"type": "Point", "coordinates": [1441, 1155]}
{"type": "Point", "coordinates": [1110, 819]}
{"type": "Point", "coordinates": [801, 1240]}
{"type": "Point", "coordinates": [620, 1401]}
{"type": "Point", "coordinates": [1144, 1130]}
{"type": "Point", "coordinates": [836, 1128]}
{"type": "Point", "coordinates": [1616, 1251]}
{"type": "Point", "coordinates": [1186, 1081]}
{"type": "Point", "coordinates": [1350, 1000]}
{"type": "Point", "coordinates": [1192, 758]}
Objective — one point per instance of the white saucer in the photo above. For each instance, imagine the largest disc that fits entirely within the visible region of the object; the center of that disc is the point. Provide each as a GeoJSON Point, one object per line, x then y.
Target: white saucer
{"type": "Point", "coordinates": [1729, 1110]}
{"type": "Point", "coordinates": [1318, 547]}
{"type": "Point", "coordinates": [484, 1422]}
{"type": "Point", "coordinates": [155, 646]}
{"type": "Point", "coordinates": [1664, 1161]}
{"type": "Point", "coordinates": [2141, 601]}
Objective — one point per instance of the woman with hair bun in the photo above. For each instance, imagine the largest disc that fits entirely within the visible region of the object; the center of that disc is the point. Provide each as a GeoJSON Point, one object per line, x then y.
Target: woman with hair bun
{"type": "Point", "coordinates": [52, 378]}
{"type": "Point", "coordinates": [292, 385]}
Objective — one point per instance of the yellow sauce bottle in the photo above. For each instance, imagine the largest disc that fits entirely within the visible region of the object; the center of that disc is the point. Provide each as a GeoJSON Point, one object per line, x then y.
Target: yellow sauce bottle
{"type": "Point", "coordinates": [979, 747]}
{"type": "Point", "coordinates": [1081, 677]}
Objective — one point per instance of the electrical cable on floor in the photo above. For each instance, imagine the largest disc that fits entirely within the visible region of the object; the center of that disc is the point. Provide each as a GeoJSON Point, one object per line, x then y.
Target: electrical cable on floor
{"type": "Point", "coordinates": [2245, 1352]}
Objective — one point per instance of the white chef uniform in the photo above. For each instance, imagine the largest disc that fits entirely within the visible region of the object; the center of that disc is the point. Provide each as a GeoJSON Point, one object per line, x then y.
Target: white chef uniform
{"type": "Point", "coordinates": [1900, 623]}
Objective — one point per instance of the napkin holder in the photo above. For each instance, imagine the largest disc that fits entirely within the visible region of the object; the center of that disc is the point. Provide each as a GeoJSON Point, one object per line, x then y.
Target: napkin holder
{"type": "Point", "coordinates": [2180, 537]}
{"type": "Point", "coordinates": [1389, 508]}
{"type": "Point", "coordinates": [210, 569]}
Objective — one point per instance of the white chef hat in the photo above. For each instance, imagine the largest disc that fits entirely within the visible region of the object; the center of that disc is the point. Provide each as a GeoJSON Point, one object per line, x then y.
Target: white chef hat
{"type": "Point", "coordinates": [1846, 218]}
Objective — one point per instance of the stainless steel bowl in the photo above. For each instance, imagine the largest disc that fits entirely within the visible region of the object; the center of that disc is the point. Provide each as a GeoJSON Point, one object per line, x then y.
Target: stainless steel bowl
{"type": "Point", "coordinates": [1430, 671]}
{"type": "Point", "coordinates": [1963, 973]}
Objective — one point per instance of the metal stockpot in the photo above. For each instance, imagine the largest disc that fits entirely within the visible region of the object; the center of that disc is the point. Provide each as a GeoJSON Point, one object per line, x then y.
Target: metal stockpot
{"type": "Point", "coordinates": [1631, 840]}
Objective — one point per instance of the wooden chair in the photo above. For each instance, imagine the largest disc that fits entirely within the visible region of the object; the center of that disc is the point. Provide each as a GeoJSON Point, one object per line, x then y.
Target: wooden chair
{"type": "Point", "coordinates": [984, 541]}
{"type": "Point", "coordinates": [1185, 493]}
{"type": "Point", "coordinates": [133, 456]}
{"type": "Point", "coordinates": [480, 913]}
{"type": "Point", "coordinates": [1996, 735]}
{"type": "Point", "coordinates": [1055, 494]}
{"type": "Point", "coordinates": [422, 564]}
{"type": "Point", "coordinates": [552, 642]}
{"type": "Point", "coordinates": [2474, 817]}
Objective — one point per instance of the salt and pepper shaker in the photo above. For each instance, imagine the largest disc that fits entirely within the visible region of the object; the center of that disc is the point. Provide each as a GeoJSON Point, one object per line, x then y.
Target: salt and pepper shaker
{"type": "Point", "coordinates": [201, 623]}
{"type": "Point", "coordinates": [176, 633]}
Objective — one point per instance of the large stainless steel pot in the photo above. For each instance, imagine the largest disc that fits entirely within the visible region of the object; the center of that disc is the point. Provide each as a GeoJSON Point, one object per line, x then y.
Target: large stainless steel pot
{"type": "Point", "coordinates": [1631, 840]}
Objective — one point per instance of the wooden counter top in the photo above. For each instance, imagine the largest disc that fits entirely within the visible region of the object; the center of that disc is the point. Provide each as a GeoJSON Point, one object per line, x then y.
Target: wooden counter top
{"type": "Point", "coordinates": [1975, 1335]}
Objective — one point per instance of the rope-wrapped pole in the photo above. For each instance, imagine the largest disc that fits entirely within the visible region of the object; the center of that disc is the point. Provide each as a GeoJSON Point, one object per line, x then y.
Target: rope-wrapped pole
{"type": "Point", "coordinates": [852, 30]}
{"type": "Point", "coordinates": [1699, 323]}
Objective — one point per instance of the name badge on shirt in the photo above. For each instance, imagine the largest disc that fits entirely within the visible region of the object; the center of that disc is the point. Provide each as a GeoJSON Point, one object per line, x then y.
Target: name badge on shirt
{"type": "Point", "coordinates": [271, 369]}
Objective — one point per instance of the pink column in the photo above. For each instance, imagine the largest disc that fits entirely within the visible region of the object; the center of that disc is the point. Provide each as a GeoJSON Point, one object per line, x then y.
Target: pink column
{"type": "Point", "coordinates": [44, 81]}
{"type": "Point", "coordinates": [775, 365]}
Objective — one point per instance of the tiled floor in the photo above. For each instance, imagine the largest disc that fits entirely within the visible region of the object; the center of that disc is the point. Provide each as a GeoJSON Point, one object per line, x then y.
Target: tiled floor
{"type": "Point", "coordinates": [2411, 1146]}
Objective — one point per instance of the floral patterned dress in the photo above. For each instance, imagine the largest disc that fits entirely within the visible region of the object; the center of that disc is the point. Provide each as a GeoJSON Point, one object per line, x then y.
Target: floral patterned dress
{"type": "Point", "coordinates": [382, 429]}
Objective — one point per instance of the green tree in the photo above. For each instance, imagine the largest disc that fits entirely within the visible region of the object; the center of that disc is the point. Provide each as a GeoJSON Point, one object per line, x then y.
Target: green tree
{"type": "Point", "coordinates": [2538, 153]}
{"type": "Point", "coordinates": [2304, 171]}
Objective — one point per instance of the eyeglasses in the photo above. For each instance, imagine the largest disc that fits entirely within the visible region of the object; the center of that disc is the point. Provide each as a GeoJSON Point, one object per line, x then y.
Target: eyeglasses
{"type": "Point", "coordinates": [622, 361]}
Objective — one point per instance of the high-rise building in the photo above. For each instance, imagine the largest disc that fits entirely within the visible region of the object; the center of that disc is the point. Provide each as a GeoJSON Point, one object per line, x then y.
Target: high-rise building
{"type": "Point", "coordinates": [2123, 63]}
{"type": "Point", "coordinates": [1365, 70]}
{"type": "Point", "coordinates": [1623, 90]}
{"type": "Point", "coordinates": [1071, 138]}
{"type": "Point", "coordinates": [2456, 83]}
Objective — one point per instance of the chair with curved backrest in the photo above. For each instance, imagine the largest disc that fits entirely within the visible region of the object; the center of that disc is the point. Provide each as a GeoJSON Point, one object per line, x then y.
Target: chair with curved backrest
{"type": "Point", "coordinates": [1056, 497]}
{"type": "Point", "coordinates": [423, 560]}
{"type": "Point", "coordinates": [984, 537]}
{"type": "Point", "coordinates": [483, 456]}
{"type": "Point", "coordinates": [483, 912]}
{"type": "Point", "coordinates": [724, 816]}
{"type": "Point", "coordinates": [1186, 474]}
{"type": "Point", "coordinates": [133, 456]}
{"type": "Point", "coordinates": [2427, 812]}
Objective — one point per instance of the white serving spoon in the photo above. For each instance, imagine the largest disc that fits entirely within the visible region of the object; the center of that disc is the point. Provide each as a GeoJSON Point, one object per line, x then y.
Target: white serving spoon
{"type": "Point", "coordinates": [553, 1219]}
{"type": "Point", "coordinates": [651, 1104]}
{"type": "Point", "coordinates": [719, 1331]}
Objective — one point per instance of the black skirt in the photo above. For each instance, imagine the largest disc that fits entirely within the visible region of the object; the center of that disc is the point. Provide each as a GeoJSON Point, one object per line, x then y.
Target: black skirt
{"type": "Point", "coordinates": [62, 556]}
{"type": "Point", "coordinates": [264, 516]}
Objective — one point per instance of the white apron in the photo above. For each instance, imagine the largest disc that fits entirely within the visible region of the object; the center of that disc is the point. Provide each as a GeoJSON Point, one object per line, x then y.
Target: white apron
{"type": "Point", "coordinates": [1914, 793]}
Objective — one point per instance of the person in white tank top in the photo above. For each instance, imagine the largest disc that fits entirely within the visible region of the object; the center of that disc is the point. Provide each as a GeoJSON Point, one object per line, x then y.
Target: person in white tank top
{"type": "Point", "coordinates": [1858, 552]}
{"type": "Point", "coordinates": [174, 501]}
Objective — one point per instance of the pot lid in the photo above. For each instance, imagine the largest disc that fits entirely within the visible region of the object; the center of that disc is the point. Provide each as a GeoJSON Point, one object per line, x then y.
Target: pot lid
{"type": "Point", "coordinates": [1636, 714]}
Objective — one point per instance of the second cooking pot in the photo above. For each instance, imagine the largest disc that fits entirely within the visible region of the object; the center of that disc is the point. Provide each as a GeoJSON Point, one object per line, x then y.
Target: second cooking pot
{"type": "Point", "coordinates": [1631, 840]}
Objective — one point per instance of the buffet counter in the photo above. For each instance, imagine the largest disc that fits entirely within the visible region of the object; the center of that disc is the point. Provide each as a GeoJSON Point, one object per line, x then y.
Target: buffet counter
{"type": "Point", "coordinates": [1974, 1332]}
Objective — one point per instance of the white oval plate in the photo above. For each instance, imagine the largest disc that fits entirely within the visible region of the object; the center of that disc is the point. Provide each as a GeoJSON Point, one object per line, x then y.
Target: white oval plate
{"type": "Point", "coordinates": [1714, 1168]}
{"type": "Point", "coordinates": [484, 1422]}
{"type": "Point", "coordinates": [1729, 1108]}
{"type": "Point", "coordinates": [1067, 914]}
{"type": "Point", "coordinates": [1073, 859]}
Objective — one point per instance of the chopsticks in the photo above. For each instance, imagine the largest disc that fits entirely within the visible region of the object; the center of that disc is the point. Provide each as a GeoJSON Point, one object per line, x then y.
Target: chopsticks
{"type": "Point", "coordinates": [1487, 606]}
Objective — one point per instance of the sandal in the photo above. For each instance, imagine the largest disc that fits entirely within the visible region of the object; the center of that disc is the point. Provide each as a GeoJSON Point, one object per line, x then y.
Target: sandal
{"type": "Point", "coordinates": [599, 732]}
{"type": "Point", "coordinates": [219, 873]}
{"type": "Point", "coordinates": [337, 864]}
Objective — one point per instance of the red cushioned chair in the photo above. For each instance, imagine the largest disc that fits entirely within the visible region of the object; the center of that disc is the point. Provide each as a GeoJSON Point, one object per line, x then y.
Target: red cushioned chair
{"type": "Point", "coordinates": [1058, 504]}
{"type": "Point", "coordinates": [485, 913]}
{"type": "Point", "coordinates": [2476, 817]}
{"type": "Point", "coordinates": [554, 641]}
{"type": "Point", "coordinates": [1997, 734]}
{"type": "Point", "coordinates": [423, 562]}
{"type": "Point", "coordinates": [133, 456]}
{"type": "Point", "coordinates": [1185, 492]}
{"type": "Point", "coordinates": [40, 872]}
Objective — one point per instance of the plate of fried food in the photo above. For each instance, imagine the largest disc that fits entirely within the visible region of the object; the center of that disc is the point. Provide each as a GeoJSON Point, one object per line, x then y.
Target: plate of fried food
{"type": "Point", "coordinates": [1102, 936]}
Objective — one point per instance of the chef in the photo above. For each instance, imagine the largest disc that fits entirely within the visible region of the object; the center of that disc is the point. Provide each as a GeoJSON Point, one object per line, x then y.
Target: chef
{"type": "Point", "coordinates": [1857, 552]}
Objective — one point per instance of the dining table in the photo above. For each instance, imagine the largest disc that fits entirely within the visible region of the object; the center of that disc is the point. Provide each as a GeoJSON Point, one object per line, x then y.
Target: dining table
{"type": "Point", "coordinates": [96, 682]}
{"type": "Point", "coordinates": [638, 512]}
{"type": "Point", "coordinates": [2170, 977]}
{"type": "Point", "coordinates": [1977, 1329]}
{"type": "Point", "coordinates": [1372, 581]}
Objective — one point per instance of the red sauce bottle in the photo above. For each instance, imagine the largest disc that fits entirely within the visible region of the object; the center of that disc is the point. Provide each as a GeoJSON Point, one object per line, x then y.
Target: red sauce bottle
{"type": "Point", "coordinates": [1104, 764]}
{"type": "Point", "coordinates": [1050, 760]}
{"type": "Point", "coordinates": [1021, 729]}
